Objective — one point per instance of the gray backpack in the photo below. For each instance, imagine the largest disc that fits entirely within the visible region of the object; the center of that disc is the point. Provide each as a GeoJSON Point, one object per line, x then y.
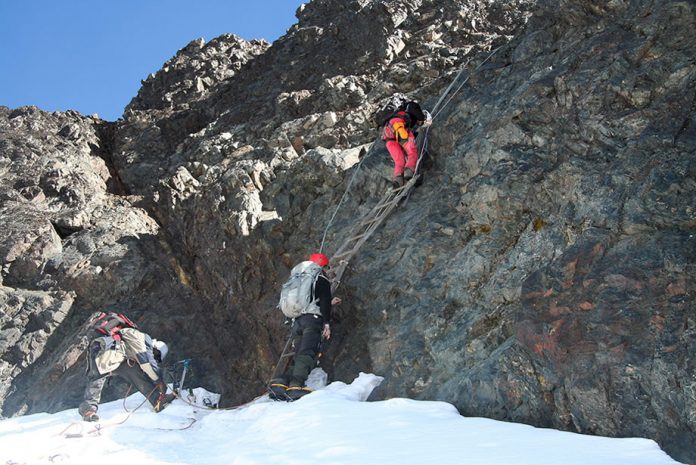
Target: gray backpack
{"type": "Point", "coordinates": [296, 294]}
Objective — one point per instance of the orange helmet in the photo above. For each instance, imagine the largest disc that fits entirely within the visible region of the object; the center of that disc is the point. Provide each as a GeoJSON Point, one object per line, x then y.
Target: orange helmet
{"type": "Point", "coordinates": [320, 259]}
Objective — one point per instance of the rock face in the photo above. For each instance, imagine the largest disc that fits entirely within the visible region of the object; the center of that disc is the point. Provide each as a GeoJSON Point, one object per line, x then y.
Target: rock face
{"type": "Point", "coordinates": [543, 272]}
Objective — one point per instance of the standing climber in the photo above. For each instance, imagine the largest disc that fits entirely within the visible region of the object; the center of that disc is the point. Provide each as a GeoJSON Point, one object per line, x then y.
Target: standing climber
{"type": "Point", "coordinates": [118, 348]}
{"type": "Point", "coordinates": [306, 299]}
{"type": "Point", "coordinates": [399, 137]}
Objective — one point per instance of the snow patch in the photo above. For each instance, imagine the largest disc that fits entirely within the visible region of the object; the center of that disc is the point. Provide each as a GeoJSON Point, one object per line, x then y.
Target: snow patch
{"type": "Point", "coordinates": [332, 425]}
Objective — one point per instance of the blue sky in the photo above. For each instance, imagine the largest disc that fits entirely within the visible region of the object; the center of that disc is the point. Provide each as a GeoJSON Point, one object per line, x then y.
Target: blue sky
{"type": "Point", "coordinates": [90, 55]}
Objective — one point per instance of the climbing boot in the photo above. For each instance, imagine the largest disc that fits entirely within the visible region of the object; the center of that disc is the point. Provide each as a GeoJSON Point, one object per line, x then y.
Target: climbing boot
{"type": "Point", "coordinates": [397, 182]}
{"type": "Point", "coordinates": [295, 392]}
{"type": "Point", "coordinates": [163, 401]}
{"type": "Point", "coordinates": [90, 415]}
{"type": "Point", "coordinates": [408, 174]}
{"type": "Point", "coordinates": [278, 391]}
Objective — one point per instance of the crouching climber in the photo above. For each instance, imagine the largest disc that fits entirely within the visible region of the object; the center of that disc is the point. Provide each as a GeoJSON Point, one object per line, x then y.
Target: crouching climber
{"type": "Point", "coordinates": [305, 299]}
{"type": "Point", "coordinates": [118, 348]}
{"type": "Point", "coordinates": [399, 137]}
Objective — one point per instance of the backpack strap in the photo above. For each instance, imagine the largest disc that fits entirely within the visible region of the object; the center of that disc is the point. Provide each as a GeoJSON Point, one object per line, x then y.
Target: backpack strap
{"type": "Point", "coordinates": [127, 321]}
{"type": "Point", "coordinates": [313, 306]}
{"type": "Point", "coordinates": [109, 324]}
{"type": "Point", "coordinates": [388, 132]}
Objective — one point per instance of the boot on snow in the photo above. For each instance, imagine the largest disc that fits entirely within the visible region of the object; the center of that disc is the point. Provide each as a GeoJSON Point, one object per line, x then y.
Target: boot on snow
{"type": "Point", "coordinates": [295, 392]}
{"type": "Point", "coordinates": [163, 401]}
{"type": "Point", "coordinates": [90, 415]}
{"type": "Point", "coordinates": [278, 391]}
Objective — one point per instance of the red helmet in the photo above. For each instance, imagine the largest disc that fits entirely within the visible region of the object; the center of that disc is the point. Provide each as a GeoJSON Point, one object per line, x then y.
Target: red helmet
{"type": "Point", "coordinates": [319, 258]}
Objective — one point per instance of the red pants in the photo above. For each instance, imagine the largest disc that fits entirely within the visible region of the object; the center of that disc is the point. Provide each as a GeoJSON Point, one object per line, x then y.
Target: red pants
{"type": "Point", "coordinates": [404, 155]}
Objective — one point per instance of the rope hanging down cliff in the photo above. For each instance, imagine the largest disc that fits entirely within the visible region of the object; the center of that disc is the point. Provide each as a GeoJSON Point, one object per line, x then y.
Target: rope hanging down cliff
{"type": "Point", "coordinates": [370, 222]}
{"type": "Point", "coordinates": [376, 215]}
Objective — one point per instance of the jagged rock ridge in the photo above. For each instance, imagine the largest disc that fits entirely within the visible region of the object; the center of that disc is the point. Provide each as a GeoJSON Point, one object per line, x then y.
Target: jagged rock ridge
{"type": "Point", "coordinates": [543, 273]}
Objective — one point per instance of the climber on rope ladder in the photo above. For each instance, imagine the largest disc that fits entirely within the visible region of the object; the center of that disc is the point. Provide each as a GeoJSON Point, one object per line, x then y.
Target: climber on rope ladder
{"type": "Point", "coordinates": [400, 140]}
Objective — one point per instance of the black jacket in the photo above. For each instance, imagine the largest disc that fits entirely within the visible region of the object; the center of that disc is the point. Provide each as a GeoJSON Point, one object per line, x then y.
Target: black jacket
{"type": "Point", "coordinates": [322, 291]}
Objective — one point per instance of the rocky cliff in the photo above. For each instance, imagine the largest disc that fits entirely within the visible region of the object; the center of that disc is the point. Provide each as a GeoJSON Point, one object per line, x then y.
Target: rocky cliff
{"type": "Point", "coordinates": [542, 273]}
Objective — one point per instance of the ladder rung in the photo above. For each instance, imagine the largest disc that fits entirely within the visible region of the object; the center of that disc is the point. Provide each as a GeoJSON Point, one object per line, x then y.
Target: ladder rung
{"type": "Point", "coordinates": [365, 233]}
{"type": "Point", "coordinates": [386, 203]}
{"type": "Point", "coordinates": [393, 200]}
{"type": "Point", "coordinates": [372, 220]}
{"type": "Point", "coordinates": [385, 199]}
{"type": "Point", "coordinates": [369, 225]}
{"type": "Point", "coordinates": [357, 237]}
{"type": "Point", "coordinates": [381, 205]}
{"type": "Point", "coordinates": [405, 186]}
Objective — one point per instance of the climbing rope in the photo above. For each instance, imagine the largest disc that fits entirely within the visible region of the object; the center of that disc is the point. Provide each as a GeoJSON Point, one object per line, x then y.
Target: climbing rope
{"type": "Point", "coordinates": [374, 218]}
{"type": "Point", "coordinates": [345, 193]}
{"type": "Point", "coordinates": [191, 422]}
{"type": "Point", "coordinates": [205, 407]}
{"type": "Point", "coordinates": [130, 386]}
{"type": "Point", "coordinates": [97, 428]}
{"type": "Point", "coordinates": [178, 386]}
{"type": "Point", "coordinates": [71, 426]}
{"type": "Point", "coordinates": [436, 111]}
{"type": "Point", "coordinates": [284, 355]}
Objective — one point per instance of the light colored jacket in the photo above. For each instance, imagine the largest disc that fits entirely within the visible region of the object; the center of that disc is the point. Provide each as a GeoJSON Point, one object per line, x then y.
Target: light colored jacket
{"type": "Point", "coordinates": [134, 345]}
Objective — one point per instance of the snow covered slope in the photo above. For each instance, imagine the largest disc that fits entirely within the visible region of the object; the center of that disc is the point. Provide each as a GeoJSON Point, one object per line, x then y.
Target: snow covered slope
{"type": "Point", "coordinates": [330, 426]}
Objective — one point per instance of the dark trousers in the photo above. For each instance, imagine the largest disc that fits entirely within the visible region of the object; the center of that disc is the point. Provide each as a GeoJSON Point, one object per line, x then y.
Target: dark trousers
{"type": "Point", "coordinates": [129, 372]}
{"type": "Point", "coordinates": [306, 332]}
